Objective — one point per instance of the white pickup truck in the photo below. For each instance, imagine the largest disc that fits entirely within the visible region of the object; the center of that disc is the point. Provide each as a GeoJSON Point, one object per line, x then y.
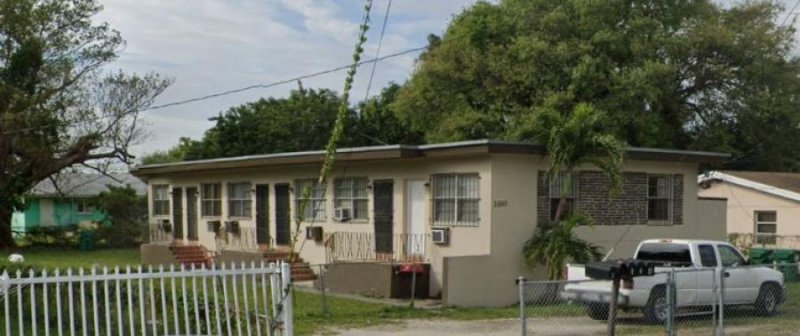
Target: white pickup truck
{"type": "Point", "coordinates": [697, 265]}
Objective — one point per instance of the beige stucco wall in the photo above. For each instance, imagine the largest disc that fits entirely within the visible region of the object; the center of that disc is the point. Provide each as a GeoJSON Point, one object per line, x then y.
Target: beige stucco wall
{"type": "Point", "coordinates": [465, 240]}
{"type": "Point", "coordinates": [744, 202]}
{"type": "Point", "coordinates": [514, 219]}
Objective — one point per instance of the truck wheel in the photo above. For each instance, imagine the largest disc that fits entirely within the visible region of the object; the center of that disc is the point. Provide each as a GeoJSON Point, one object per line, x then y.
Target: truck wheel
{"type": "Point", "coordinates": [657, 307]}
{"type": "Point", "coordinates": [597, 311]}
{"type": "Point", "coordinates": [768, 299]}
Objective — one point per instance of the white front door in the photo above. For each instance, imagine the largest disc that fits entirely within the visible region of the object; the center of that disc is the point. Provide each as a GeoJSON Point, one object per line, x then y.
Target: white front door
{"type": "Point", "coordinates": [416, 214]}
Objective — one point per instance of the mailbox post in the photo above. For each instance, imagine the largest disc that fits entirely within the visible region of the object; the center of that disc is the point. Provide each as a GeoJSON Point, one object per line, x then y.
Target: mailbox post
{"type": "Point", "coordinates": [617, 271]}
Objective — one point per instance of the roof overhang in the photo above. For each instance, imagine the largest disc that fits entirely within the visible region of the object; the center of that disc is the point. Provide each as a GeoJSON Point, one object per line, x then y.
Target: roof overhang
{"type": "Point", "coordinates": [393, 152]}
{"type": "Point", "coordinates": [749, 184]}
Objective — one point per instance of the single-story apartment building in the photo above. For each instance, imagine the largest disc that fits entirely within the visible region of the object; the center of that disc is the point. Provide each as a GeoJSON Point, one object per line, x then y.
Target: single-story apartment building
{"type": "Point", "coordinates": [65, 201]}
{"type": "Point", "coordinates": [464, 208]}
{"type": "Point", "coordinates": [763, 207]}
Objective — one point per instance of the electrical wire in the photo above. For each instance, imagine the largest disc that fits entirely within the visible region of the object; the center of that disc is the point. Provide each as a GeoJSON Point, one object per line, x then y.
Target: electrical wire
{"type": "Point", "coordinates": [790, 12]}
{"type": "Point", "coordinates": [378, 52]}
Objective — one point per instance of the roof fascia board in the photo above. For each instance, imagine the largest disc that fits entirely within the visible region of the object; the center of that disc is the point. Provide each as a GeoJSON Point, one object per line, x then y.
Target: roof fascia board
{"type": "Point", "coordinates": [742, 182]}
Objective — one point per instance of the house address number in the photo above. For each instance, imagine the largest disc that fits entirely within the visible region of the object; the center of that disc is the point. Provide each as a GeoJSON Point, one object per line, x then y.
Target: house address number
{"type": "Point", "coordinates": [500, 203]}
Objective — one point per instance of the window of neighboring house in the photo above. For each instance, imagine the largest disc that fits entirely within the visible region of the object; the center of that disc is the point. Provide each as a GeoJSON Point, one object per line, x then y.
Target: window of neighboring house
{"type": "Point", "coordinates": [211, 199]}
{"type": "Point", "coordinates": [766, 227]}
{"type": "Point", "coordinates": [160, 199]}
{"type": "Point", "coordinates": [315, 207]}
{"type": "Point", "coordinates": [659, 199]}
{"type": "Point", "coordinates": [351, 193]}
{"type": "Point", "coordinates": [85, 207]}
{"type": "Point", "coordinates": [239, 204]}
{"type": "Point", "coordinates": [456, 199]}
{"type": "Point", "coordinates": [565, 186]}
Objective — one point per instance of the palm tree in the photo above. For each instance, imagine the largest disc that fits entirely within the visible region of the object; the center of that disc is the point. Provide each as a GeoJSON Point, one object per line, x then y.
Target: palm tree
{"type": "Point", "coordinates": [556, 245]}
{"type": "Point", "coordinates": [572, 140]}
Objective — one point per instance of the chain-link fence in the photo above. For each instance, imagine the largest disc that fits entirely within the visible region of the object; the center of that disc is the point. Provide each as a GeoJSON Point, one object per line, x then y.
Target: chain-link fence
{"type": "Point", "coordinates": [757, 300]}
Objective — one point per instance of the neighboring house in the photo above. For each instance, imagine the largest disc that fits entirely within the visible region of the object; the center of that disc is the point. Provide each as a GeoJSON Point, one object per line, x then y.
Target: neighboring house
{"type": "Point", "coordinates": [763, 207]}
{"type": "Point", "coordinates": [67, 202]}
{"type": "Point", "coordinates": [392, 203]}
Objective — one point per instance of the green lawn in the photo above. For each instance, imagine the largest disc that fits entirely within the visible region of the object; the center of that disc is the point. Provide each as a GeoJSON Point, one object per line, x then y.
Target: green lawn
{"type": "Point", "coordinates": [51, 258]}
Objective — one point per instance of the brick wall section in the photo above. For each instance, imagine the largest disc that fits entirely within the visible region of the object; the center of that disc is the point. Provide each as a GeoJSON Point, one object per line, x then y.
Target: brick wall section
{"type": "Point", "coordinates": [594, 198]}
{"type": "Point", "coordinates": [629, 207]}
{"type": "Point", "coordinates": [677, 199]}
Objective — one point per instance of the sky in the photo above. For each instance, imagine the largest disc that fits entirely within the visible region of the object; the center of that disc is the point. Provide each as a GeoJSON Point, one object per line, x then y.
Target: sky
{"type": "Point", "coordinates": [209, 46]}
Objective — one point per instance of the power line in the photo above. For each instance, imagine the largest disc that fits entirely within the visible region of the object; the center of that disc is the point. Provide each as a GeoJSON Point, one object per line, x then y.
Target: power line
{"type": "Point", "coordinates": [284, 81]}
{"type": "Point", "coordinates": [790, 12]}
{"type": "Point", "coordinates": [378, 52]}
{"type": "Point", "coordinates": [229, 92]}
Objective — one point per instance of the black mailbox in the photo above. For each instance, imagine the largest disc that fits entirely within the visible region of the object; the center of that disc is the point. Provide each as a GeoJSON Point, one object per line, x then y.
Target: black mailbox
{"type": "Point", "coordinates": [619, 269]}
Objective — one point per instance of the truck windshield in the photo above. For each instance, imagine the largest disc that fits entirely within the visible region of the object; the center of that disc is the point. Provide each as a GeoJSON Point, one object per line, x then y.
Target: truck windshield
{"type": "Point", "coordinates": [675, 254]}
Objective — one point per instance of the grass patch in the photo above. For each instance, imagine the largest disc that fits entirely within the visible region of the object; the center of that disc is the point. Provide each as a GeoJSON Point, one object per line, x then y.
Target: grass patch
{"type": "Point", "coordinates": [51, 258]}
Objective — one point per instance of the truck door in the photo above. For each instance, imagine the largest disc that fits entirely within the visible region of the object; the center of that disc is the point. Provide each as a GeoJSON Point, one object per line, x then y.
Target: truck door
{"type": "Point", "coordinates": [707, 274]}
{"type": "Point", "coordinates": [740, 282]}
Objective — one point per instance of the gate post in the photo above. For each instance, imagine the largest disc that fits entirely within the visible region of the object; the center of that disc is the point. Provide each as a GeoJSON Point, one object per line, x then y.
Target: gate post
{"type": "Point", "coordinates": [523, 319]}
{"type": "Point", "coordinates": [288, 306]}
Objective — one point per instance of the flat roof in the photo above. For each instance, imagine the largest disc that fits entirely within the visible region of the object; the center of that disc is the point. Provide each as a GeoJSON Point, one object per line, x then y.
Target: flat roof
{"type": "Point", "coordinates": [372, 153]}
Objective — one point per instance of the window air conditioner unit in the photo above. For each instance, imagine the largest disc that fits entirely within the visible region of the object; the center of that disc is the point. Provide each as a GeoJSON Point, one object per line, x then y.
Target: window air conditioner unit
{"type": "Point", "coordinates": [314, 233]}
{"type": "Point", "coordinates": [214, 226]}
{"type": "Point", "coordinates": [341, 214]}
{"type": "Point", "coordinates": [232, 227]}
{"type": "Point", "coordinates": [440, 236]}
{"type": "Point", "coordinates": [165, 225]}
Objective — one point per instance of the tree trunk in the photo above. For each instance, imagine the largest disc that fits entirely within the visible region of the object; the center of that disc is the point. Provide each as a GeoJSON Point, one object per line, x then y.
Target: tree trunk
{"type": "Point", "coordinates": [6, 236]}
{"type": "Point", "coordinates": [562, 200]}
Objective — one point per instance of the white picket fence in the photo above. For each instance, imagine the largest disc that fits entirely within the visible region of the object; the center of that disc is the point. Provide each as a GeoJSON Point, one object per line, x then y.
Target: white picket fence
{"type": "Point", "coordinates": [236, 299]}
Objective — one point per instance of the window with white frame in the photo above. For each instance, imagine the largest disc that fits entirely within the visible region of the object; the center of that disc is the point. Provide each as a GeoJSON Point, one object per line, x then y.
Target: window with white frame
{"type": "Point", "coordinates": [160, 200]}
{"type": "Point", "coordinates": [211, 199]}
{"type": "Point", "coordinates": [659, 199]}
{"type": "Point", "coordinates": [564, 185]}
{"type": "Point", "coordinates": [85, 206]}
{"type": "Point", "coordinates": [456, 199]}
{"type": "Point", "coordinates": [351, 193]}
{"type": "Point", "coordinates": [315, 208]}
{"type": "Point", "coordinates": [766, 227]}
{"type": "Point", "coordinates": [239, 204]}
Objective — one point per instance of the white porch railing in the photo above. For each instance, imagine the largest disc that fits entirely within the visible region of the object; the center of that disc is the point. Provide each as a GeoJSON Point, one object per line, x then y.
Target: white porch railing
{"type": "Point", "coordinates": [366, 246]}
{"type": "Point", "coordinates": [226, 300]}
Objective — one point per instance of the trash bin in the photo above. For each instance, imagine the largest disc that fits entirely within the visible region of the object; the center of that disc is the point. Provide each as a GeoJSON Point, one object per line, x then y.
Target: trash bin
{"type": "Point", "coordinates": [402, 277]}
{"type": "Point", "coordinates": [785, 256]}
{"type": "Point", "coordinates": [86, 240]}
{"type": "Point", "coordinates": [760, 256]}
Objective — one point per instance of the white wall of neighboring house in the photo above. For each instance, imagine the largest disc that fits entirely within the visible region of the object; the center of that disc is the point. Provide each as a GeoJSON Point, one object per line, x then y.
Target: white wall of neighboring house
{"type": "Point", "coordinates": [744, 202]}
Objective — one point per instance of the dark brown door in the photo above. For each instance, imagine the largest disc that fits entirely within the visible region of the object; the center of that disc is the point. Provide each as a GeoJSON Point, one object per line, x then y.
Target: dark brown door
{"type": "Point", "coordinates": [191, 213]}
{"type": "Point", "coordinates": [282, 215]}
{"type": "Point", "coordinates": [383, 208]}
{"type": "Point", "coordinates": [177, 213]}
{"type": "Point", "coordinates": [262, 214]}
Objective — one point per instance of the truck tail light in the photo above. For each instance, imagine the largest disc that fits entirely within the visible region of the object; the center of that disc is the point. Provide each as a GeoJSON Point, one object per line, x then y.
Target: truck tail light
{"type": "Point", "coordinates": [627, 283]}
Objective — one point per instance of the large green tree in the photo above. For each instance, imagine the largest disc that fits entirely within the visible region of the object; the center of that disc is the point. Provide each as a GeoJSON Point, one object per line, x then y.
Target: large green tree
{"type": "Point", "coordinates": [302, 121]}
{"type": "Point", "coordinates": [674, 73]}
{"type": "Point", "coordinates": [59, 107]}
